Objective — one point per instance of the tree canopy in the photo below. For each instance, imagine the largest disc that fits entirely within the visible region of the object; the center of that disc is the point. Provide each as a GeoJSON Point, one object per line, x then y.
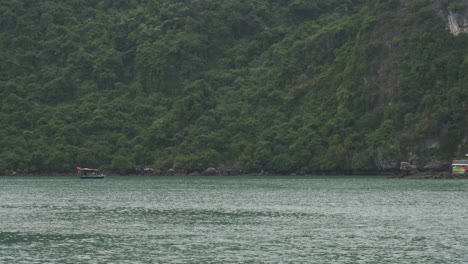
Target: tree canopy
{"type": "Point", "coordinates": [279, 86]}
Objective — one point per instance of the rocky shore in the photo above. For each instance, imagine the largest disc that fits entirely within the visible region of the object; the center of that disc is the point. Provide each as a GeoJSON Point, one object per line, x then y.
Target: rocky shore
{"type": "Point", "coordinates": [432, 175]}
{"type": "Point", "coordinates": [408, 171]}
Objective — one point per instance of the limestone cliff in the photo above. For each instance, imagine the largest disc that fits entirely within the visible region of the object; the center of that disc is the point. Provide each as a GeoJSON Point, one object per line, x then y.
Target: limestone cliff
{"type": "Point", "coordinates": [457, 23]}
{"type": "Point", "coordinates": [456, 17]}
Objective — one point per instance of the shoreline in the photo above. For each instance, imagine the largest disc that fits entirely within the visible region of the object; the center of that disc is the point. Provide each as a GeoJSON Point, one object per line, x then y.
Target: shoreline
{"type": "Point", "coordinates": [389, 173]}
{"type": "Point", "coordinates": [420, 175]}
{"type": "Point", "coordinates": [432, 175]}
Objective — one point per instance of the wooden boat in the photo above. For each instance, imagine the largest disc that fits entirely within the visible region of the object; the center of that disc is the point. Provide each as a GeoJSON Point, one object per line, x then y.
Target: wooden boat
{"type": "Point", "coordinates": [87, 173]}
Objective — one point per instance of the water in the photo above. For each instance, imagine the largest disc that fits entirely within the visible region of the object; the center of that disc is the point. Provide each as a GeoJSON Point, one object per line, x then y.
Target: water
{"type": "Point", "coordinates": [233, 220]}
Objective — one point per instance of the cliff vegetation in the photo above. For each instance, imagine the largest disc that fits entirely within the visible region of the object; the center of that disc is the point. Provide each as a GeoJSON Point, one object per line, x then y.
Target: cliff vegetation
{"type": "Point", "coordinates": [276, 86]}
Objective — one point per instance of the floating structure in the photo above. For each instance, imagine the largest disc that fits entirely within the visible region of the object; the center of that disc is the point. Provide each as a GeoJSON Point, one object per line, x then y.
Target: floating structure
{"type": "Point", "coordinates": [87, 173]}
{"type": "Point", "coordinates": [460, 167]}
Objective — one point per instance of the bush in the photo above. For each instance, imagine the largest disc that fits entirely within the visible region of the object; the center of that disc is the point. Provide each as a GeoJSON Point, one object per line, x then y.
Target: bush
{"type": "Point", "coordinates": [457, 7]}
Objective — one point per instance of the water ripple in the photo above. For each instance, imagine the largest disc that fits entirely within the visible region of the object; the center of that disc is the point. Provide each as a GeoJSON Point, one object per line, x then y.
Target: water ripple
{"type": "Point", "coordinates": [232, 220]}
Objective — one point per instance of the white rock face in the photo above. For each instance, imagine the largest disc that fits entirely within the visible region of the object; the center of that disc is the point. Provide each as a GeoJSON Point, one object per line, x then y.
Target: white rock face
{"type": "Point", "coordinates": [457, 23]}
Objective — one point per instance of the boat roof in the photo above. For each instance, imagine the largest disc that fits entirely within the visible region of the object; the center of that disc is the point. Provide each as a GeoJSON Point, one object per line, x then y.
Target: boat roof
{"type": "Point", "coordinates": [87, 169]}
{"type": "Point", "coordinates": [460, 162]}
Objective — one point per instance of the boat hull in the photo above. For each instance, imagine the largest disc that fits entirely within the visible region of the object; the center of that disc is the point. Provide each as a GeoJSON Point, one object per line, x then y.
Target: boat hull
{"type": "Point", "coordinates": [92, 177]}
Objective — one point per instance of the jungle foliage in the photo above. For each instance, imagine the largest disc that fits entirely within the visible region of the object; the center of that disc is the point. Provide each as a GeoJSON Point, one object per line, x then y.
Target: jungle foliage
{"type": "Point", "coordinates": [280, 86]}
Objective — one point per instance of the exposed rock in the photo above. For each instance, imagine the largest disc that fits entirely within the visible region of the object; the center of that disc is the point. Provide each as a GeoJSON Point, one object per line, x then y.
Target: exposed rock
{"type": "Point", "coordinates": [195, 173]}
{"type": "Point", "coordinates": [174, 172]}
{"type": "Point", "coordinates": [457, 23]}
{"type": "Point", "coordinates": [435, 170]}
{"type": "Point", "coordinates": [148, 171]}
{"type": "Point", "coordinates": [210, 171]}
{"type": "Point", "coordinates": [434, 175]}
{"type": "Point", "coordinates": [412, 158]}
{"type": "Point", "coordinates": [234, 171]}
{"type": "Point", "coordinates": [384, 162]}
{"type": "Point", "coordinates": [406, 169]}
{"type": "Point", "coordinates": [437, 165]}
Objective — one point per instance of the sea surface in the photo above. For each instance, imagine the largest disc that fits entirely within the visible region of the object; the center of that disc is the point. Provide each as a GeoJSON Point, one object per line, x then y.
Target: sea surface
{"type": "Point", "coordinates": [236, 219]}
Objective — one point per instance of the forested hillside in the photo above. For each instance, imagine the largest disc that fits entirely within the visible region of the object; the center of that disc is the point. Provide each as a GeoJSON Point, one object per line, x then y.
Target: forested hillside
{"type": "Point", "coordinates": [295, 86]}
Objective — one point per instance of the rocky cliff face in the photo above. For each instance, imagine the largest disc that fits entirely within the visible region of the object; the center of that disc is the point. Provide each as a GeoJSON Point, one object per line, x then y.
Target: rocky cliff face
{"type": "Point", "coordinates": [455, 15]}
{"type": "Point", "coordinates": [457, 23]}
{"type": "Point", "coordinates": [282, 86]}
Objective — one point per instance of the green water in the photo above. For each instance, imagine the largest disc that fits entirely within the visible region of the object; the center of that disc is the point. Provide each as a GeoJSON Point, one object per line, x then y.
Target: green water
{"type": "Point", "coordinates": [233, 220]}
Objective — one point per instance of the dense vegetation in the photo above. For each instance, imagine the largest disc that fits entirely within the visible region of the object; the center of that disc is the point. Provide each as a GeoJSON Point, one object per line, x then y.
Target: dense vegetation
{"type": "Point", "coordinates": [280, 86]}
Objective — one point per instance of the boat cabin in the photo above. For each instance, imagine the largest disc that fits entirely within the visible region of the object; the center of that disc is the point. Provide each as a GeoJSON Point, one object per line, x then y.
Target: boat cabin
{"type": "Point", "coordinates": [460, 166]}
{"type": "Point", "coordinates": [89, 173]}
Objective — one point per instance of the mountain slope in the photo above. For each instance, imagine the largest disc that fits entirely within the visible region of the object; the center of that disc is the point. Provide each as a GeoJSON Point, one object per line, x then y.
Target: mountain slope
{"type": "Point", "coordinates": [286, 86]}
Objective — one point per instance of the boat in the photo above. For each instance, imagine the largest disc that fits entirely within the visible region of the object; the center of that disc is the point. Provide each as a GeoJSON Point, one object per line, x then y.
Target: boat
{"type": "Point", "coordinates": [460, 167]}
{"type": "Point", "coordinates": [87, 173]}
